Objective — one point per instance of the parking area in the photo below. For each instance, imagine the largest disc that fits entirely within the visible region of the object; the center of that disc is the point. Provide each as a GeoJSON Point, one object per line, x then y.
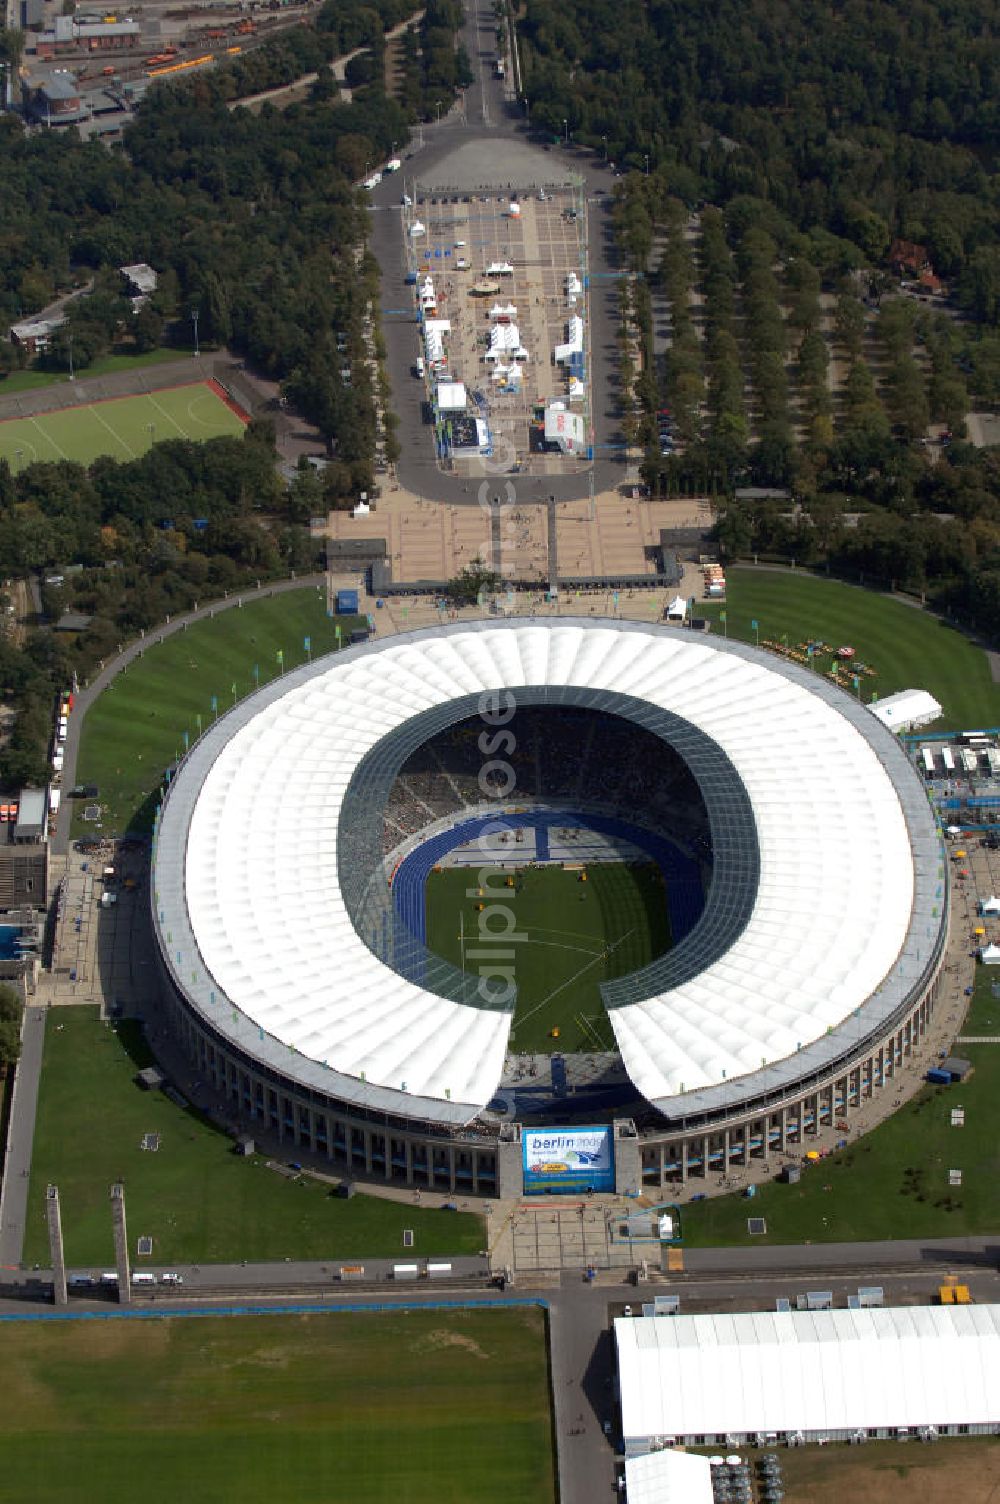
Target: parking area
{"type": "Point", "coordinates": [502, 276]}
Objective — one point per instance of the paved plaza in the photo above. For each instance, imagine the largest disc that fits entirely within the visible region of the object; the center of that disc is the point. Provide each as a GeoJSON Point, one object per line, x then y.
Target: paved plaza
{"type": "Point", "coordinates": [454, 239]}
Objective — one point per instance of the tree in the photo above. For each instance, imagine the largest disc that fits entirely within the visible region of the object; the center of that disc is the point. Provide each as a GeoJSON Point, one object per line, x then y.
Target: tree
{"type": "Point", "coordinates": [475, 580]}
{"type": "Point", "coordinates": [11, 1011]}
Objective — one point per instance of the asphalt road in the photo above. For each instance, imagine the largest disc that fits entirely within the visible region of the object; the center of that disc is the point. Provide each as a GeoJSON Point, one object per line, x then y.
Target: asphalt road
{"type": "Point", "coordinates": [20, 1137]}
{"type": "Point", "coordinates": [580, 1317]}
{"type": "Point", "coordinates": [497, 124]}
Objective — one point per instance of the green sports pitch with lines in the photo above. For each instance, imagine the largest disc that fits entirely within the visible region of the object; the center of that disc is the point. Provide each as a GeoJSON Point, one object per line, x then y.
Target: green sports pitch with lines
{"type": "Point", "coordinates": [123, 427]}
{"type": "Point", "coordinates": [578, 934]}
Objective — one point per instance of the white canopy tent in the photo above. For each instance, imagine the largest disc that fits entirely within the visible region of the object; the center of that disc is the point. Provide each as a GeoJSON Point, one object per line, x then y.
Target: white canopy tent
{"type": "Point", "coordinates": [451, 397]}
{"type": "Point", "coordinates": [668, 1478]}
{"type": "Point", "coordinates": [907, 710]}
{"type": "Point", "coordinates": [989, 906]}
{"type": "Point", "coordinates": [677, 609]}
{"type": "Point", "coordinates": [818, 1373]}
{"type": "Point", "coordinates": [574, 341]}
{"type": "Point", "coordinates": [990, 955]}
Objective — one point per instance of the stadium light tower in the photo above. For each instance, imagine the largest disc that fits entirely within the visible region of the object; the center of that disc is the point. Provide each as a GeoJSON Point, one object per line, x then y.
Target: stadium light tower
{"type": "Point", "coordinates": [69, 338]}
{"type": "Point", "coordinates": [195, 315]}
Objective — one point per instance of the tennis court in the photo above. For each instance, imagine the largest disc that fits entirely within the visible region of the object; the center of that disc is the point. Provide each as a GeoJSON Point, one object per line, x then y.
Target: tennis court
{"type": "Point", "coordinates": [123, 427]}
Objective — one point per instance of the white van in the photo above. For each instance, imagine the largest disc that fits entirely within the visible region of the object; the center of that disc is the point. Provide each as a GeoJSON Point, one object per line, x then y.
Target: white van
{"type": "Point", "coordinates": [109, 1277]}
{"type": "Point", "coordinates": [143, 1279]}
{"type": "Point", "coordinates": [171, 1279]}
{"type": "Point", "coordinates": [418, 366]}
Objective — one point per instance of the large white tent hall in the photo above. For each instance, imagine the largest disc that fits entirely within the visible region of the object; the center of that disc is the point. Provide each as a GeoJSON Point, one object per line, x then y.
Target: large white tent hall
{"type": "Point", "coordinates": [799, 1376]}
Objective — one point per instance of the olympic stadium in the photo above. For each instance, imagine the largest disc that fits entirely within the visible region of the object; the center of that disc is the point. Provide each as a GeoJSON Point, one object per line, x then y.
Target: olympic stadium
{"type": "Point", "coordinates": [778, 839]}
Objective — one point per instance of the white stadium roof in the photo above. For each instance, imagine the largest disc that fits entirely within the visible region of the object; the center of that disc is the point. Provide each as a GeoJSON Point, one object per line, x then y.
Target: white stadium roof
{"type": "Point", "coordinates": [820, 1371]}
{"type": "Point", "coordinates": [255, 930]}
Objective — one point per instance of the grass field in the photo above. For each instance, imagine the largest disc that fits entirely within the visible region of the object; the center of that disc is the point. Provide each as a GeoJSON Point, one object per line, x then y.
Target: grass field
{"type": "Point", "coordinates": [578, 936]}
{"type": "Point", "coordinates": [908, 648]}
{"type": "Point", "coordinates": [200, 1202]}
{"type": "Point", "coordinates": [892, 1183]}
{"type": "Point", "coordinates": [33, 380]}
{"type": "Point", "coordinates": [408, 1408]}
{"type": "Point", "coordinates": [886, 1472]}
{"type": "Point", "coordinates": [124, 427]}
{"type": "Point", "coordinates": [136, 728]}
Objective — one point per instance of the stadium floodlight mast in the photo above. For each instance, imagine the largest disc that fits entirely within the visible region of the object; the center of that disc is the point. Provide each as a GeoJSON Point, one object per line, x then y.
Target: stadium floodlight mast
{"type": "Point", "coordinates": [195, 315]}
{"type": "Point", "coordinates": [152, 432]}
{"type": "Point", "coordinates": [69, 340]}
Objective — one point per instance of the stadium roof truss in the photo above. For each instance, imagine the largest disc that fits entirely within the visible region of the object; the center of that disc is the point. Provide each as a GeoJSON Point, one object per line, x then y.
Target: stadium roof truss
{"type": "Point", "coordinates": [823, 917]}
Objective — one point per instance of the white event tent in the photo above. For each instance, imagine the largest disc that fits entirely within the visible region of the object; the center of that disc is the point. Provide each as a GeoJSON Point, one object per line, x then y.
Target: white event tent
{"type": "Point", "coordinates": [668, 1478]}
{"type": "Point", "coordinates": [801, 1375]}
{"type": "Point", "coordinates": [907, 710]}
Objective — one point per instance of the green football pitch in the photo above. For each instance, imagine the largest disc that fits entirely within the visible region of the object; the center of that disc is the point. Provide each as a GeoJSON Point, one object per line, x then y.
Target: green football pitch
{"type": "Point", "coordinates": [400, 1407]}
{"type": "Point", "coordinates": [578, 934]}
{"type": "Point", "coordinates": [123, 427]}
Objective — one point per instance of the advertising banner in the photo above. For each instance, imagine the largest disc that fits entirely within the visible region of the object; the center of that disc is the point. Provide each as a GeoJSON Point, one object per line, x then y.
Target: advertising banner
{"type": "Point", "coordinates": [571, 1160]}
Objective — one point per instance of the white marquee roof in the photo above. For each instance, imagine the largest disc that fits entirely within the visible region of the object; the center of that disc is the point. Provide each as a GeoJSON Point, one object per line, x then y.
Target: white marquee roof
{"type": "Point", "coordinates": [908, 708]}
{"type": "Point", "coordinates": [808, 1371]}
{"type": "Point", "coordinates": [668, 1478]}
{"type": "Point", "coordinates": [246, 882]}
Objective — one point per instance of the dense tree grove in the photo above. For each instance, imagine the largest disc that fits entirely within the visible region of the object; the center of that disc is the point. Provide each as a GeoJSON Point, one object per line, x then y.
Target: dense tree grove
{"type": "Point", "coordinates": [863, 119]}
{"type": "Point", "coordinates": [254, 221]}
{"type": "Point", "coordinates": [772, 155]}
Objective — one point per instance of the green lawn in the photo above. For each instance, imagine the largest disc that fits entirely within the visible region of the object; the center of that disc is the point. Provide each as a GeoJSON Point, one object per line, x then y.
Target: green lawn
{"type": "Point", "coordinates": [136, 728]}
{"type": "Point", "coordinates": [123, 427]}
{"type": "Point", "coordinates": [409, 1408]}
{"type": "Point", "coordinates": [32, 379]}
{"type": "Point", "coordinates": [579, 934]}
{"type": "Point", "coordinates": [197, 1199]}
{"type": "Point", "coordinates": [893, 1182]}
{"type": "Point", "coordinates": [908, 648]}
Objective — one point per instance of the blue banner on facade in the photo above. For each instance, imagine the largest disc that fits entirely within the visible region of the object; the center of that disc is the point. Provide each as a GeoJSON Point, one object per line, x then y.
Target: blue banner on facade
{"type": "Point", "coordinates": [568, 1160]}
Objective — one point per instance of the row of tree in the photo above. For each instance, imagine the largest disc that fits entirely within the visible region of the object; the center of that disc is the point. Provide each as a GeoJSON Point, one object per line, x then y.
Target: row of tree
{"type": "Point", "coordinates": [855, 123]}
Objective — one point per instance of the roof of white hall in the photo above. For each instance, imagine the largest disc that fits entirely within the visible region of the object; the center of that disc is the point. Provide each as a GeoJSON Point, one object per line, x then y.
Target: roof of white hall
{"type": "Point", "coordinates": [668, 1478]}
{"type": "Point", "coordinates": [808, 1371]}
{"type": "Point", "coordinates": [906, 708]}
{"type": "Point", "coordinates": [246, 879]}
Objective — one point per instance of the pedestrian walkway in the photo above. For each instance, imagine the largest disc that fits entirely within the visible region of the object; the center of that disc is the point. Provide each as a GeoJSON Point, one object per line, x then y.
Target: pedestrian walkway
{"type": "Point", "coordinates": [20, 1137]}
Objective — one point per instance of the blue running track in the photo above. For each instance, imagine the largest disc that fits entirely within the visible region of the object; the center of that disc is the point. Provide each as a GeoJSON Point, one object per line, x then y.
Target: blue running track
{"type": "Point", "coordinates": [681, 877]}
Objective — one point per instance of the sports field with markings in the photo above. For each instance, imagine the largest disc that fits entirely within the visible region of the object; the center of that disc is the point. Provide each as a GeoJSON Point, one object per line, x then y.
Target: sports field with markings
{"type": "Point", "coordinates": [123, 427]}
{"type": "Point", "coordinates": [574, 934]}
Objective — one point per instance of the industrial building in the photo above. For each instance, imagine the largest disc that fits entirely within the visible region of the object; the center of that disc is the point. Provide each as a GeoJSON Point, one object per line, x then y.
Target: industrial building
{"type": "Point", "coordinates": [808, 1376]}
{"type": "Point", "coordinates": [54, 100]}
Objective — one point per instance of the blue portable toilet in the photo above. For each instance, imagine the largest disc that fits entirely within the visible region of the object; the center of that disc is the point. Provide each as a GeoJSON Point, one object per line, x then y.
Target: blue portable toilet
{"type": "Point", "coordinates": [347, 603]}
